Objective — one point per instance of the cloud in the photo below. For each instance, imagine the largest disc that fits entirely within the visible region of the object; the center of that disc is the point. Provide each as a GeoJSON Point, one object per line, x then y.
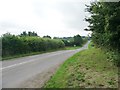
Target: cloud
{"type": "Point", "coordinates": [74, 14]}
{"type": "Point", "coordinates": [55, 17]}
{"type": "Point", "coordinates": [14, 28]}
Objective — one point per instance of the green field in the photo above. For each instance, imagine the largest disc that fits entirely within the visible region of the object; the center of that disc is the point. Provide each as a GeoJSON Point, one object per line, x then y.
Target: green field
{"type": "Point", "coordinates": [86, 69]}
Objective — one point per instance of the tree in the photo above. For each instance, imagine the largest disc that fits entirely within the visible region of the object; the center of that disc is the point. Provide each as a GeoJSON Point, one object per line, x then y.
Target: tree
{"type": "Point", "coordinates": [105, 25]}
{"type": "Point", "coordinates": [47, 36]}
{"type": "Point", "coordinates": [78, 40]}
{"type": "Point", "coordinates": [56, 38]}
{"type": "Point", "coordinates": [24, 33]}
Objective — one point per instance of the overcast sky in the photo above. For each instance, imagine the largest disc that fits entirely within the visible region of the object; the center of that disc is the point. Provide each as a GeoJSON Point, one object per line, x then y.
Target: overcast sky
{"type": "Point", "coordinates": [46, 17]}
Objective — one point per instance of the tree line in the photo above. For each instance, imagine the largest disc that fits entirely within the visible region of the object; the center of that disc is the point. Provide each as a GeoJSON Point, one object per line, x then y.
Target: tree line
{"type": "Point", "coordinates": [105, 26]}
{"type": "Point", "coordinates": [77, 40]}
{"type": "Point", "coordinates": [13, 45]}
{"type": "Point", "coordinates": [28, 42]}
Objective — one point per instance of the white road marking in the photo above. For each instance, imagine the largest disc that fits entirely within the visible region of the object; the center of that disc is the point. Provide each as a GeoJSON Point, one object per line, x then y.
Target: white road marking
{"type": "Point", "coordinates": [16, 64]}
{"type": "Point", "coordinates": [27, 62]}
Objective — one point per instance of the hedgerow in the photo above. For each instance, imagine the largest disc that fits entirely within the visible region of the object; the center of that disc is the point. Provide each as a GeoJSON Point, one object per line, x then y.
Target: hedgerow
{"type": "Point", "coordinates": [13, 45]}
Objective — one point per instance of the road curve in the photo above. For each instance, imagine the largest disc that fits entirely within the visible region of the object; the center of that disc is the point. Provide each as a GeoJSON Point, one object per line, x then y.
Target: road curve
{"type": "Point", "coordinates": [16, 71]}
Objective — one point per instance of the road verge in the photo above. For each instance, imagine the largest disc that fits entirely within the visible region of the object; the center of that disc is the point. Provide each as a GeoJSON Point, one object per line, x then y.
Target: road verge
{"type": "Point", "coordinates": [86, 69]}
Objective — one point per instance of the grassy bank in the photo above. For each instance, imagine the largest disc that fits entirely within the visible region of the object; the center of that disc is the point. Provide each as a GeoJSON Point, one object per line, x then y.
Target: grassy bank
{"type": "Point", "coordinates": [86, 69]}
{"type": "Point", "coordinates": [72, 48]}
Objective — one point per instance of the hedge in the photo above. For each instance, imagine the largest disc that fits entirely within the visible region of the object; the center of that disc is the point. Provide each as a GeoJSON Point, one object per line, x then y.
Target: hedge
{"type": "Point", "coordinates": [13, 45]}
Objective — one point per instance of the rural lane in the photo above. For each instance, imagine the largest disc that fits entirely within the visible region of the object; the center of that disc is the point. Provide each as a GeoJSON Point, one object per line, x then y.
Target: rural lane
{"type": "Point", "coordinates": [17, 72]}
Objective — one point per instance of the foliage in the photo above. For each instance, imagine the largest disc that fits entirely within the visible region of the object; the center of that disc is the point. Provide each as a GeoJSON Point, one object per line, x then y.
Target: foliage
{"type": "Point", "coordinates": [78, 40]}
{"type": "Point", "coordinates": [72, 47]}
{"type": "Point", "coordinates": [68, 41]}
{"type": "Point", "coordinates": [105, 25]}
{"type": "Point", "coordinates": [47, 37]}
{"type": "Point", "coordinates": [24, 33]}
{"type": "Point", "coordinates": [13, 45]}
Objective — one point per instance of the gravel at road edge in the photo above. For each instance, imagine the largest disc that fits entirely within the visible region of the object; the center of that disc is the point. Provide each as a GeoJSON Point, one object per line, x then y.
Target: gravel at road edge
{"type": "Point", "coordinates": [40, 79]}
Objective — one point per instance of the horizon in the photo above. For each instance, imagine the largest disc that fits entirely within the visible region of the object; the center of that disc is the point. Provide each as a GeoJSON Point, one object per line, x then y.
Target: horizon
{"type": "Point", "coordinates": [48, 35]}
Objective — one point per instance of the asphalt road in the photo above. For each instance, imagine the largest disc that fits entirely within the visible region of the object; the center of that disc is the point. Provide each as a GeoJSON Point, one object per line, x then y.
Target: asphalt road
{"type": "Point", "coordinates": [18, 70]}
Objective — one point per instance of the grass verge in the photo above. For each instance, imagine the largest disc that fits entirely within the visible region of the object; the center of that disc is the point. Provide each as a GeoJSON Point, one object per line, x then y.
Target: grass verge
{"type": "Point", "coordinates": [72, 47]}
{"type": "Point", "coordinates": [86, 69]}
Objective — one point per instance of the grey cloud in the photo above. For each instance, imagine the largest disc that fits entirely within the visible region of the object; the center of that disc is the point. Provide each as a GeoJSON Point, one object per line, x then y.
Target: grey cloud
{"type": "Point", "coordinates": [7, 25]}
{"type": "Point", "coordinates": [14, 28]}
{"type": "Point", "coordinates": [74, 13]}
{"type": "Point", "coordinates": [39, 8]}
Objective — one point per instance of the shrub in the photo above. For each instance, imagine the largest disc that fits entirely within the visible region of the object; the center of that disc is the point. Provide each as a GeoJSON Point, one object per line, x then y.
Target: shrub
{"type": "Point", "coordinates": [13, 45]}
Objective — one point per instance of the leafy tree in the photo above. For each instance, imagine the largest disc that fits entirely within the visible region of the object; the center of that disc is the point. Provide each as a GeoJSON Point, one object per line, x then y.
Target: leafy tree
{"type": "Point", "coordinates": [24, 33]}
{"type": "Point", "coordinates": [47, 36]}
{"type": "Point", "coordinates": [56, 38]}
{"type": "Point", "coordinates": [69, 41]}
{"type": "Point", "coordinates": [78, 40]}
{"type": "Point", "coordinates": [105, 25]}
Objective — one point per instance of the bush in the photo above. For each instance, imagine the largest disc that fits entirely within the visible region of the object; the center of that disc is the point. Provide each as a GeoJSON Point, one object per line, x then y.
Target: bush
{"type": "Point", "coordinates": [13, 45]}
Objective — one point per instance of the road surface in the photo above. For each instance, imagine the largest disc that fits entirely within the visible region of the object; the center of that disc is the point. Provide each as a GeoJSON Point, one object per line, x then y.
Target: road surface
{"type": "Point", "coordinates": [17, 72]}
